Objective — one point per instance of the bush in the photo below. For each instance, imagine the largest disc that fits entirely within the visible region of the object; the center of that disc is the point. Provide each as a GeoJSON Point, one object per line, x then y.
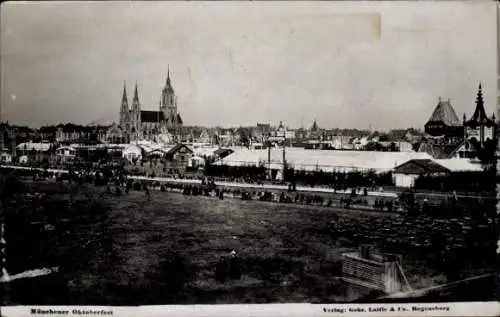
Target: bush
{"type": "Point", "coordinates": [251, 172]}
{"type": "Point", "coordinates": [465, 181]}
{"type": "Point", "coordinates": [338, 179]}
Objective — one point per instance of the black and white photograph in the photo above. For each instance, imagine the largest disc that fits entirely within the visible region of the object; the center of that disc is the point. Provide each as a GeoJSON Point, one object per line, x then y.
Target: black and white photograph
{"type": "Point", "coordinates": [213, 153]}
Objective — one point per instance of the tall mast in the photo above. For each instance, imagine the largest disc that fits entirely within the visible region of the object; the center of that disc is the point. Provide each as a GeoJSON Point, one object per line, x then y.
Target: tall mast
{"type": "Point", "coordinates": [269, 155]}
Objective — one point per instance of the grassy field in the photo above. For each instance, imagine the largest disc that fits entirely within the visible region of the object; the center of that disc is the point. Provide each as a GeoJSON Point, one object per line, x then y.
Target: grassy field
{"type": "Point", "coordinates": [126, 251]}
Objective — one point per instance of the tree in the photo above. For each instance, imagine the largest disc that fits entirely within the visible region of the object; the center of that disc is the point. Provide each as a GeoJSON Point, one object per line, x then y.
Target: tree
{"type": "Point", "coordinates": [373, 146]}
{"type": "Point", "coordinates": [393, 147]}
{"type": "Point", "coordinates": [245, 136]}
{"type": "Point", "coordinates": [383, 138]}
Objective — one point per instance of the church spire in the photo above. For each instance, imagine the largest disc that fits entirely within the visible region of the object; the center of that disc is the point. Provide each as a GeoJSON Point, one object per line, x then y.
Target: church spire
{"type": "Point", "coordinates": [314, 126]}
{"type": "Point", "coordinates": [124, 97]}
{"type": "Point", "coordinates": [479, 117]}
{"type": "Point", "coordinates": [479, 98]}
{"type": "Point", "coordinates": [136, 94]}
{"type": "Point", "coordinates": [168, 76]}
{"type": "Point", "coordinates": [124, 109]}
{"type": "Point", "coordinates": [479, 114]}
{"type": "Point", "coordinates": [168, 84]}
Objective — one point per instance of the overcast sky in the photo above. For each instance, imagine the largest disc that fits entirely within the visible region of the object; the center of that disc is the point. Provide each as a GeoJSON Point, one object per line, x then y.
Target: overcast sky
{"type": "Point", "coordinates": [345, 64]}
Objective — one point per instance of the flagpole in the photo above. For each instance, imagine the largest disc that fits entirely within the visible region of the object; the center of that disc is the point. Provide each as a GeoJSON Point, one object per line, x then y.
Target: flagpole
{"type": "Point", "coordinates": [269, 157]}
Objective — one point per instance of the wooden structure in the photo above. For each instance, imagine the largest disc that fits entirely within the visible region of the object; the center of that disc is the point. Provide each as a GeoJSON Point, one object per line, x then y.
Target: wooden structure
{"type": "Point", "coordinates": [381, 272]}
{"type": "Point", "coordinates": [407, 173]}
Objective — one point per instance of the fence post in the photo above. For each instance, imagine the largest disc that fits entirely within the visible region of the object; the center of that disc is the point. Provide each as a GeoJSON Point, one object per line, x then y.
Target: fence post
{"type": "Point", "coordinates": [4, 275]}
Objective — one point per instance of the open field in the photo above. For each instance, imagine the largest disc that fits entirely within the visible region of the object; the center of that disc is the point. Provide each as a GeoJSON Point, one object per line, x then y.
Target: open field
{"type": "Point", "coordinates": [126, 251]}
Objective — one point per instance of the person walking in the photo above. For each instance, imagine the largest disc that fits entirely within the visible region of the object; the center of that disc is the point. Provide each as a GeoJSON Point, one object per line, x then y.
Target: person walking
{"type": "Point", "coordinates": [148, 194]}
{"type": "Point", "coordinates": [234, 266]}
{"type": "Point", "coordinates": [221, 270]}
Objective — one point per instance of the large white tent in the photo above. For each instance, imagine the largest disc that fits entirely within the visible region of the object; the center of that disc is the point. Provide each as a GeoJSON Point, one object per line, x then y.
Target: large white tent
{"type": "Point", "coordinates": [204, 151]}
{"type": "Point", "coordinates": [31, 146]}
{"type": "Point", "coordinates": [460, 165]}
{"type": "Point", "coordinates": [325, 160]}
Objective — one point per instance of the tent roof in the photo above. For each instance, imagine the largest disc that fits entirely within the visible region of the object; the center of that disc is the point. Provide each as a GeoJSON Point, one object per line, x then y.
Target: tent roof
{"type": "Point", "coordinates": [303, 159]}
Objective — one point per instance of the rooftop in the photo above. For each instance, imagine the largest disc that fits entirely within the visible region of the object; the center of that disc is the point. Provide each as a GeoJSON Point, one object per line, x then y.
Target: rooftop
{"type": "Point", "coordinates": [326, 160]}
{"type": "Point", "coordinates": [445, 113]}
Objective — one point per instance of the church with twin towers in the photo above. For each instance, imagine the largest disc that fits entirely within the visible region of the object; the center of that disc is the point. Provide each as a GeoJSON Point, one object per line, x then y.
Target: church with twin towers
{"type": "Point", "coordinates": [140, 124]}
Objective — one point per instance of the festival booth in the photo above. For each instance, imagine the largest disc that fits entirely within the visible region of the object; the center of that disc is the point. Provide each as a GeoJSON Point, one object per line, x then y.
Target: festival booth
{"type": "Point", "coordinates": [65, 153]}
{"type": "Point", "coordinates": [132, 153]}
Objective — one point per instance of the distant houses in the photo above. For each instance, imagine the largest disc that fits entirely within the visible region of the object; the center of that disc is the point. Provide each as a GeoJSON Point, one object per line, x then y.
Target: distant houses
{"type": "Point", "coordinates": [65, 154]}
{"type": "Point", "coordinates": [34, 152]}
{"type": "Point", "coordinates": [445, 137]}
{"type": "Point", "coordinates": [256, 136]}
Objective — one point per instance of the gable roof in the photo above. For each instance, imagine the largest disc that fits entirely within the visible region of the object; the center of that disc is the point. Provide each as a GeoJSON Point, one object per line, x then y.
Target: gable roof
{"type": "Point", "coordinates": [177, 147]}
{"type": "Point", "coordinates": [445, 113]}
{"type": "Point", "coordinates": [151, 116]}
{"type": "Point", "coordinates": [221, 152]}
{"type": "Point", "coordinates": [420, 166]}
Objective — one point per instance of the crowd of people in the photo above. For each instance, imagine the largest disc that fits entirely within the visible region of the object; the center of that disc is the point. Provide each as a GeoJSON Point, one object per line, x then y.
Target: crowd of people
{"type": "Point", "coordinates": [116, 182]}
{"type": "Point", "coordinates": [209, 188]}
{"type": "Point", "coordinates": [115, 175]}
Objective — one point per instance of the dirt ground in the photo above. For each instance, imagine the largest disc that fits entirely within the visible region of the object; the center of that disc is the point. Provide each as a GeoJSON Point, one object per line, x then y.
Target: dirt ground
{"type": "Point", "coordinates": [164, 251]}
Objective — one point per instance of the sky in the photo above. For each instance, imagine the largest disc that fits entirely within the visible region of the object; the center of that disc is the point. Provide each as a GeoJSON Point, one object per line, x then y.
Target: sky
{"type": "Point", "coordinates": [378, 65]}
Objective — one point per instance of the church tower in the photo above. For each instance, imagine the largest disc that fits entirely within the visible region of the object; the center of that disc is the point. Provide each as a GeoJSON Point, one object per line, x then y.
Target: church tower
{"type": "Point", "coordinates": [480, 128]}
{"type": "Point", "coordinates": [168, 103]}
{"type": "Point", "coordinates": [124, 110]}
{"type": "Point", "coordinates": [479, 131]}
{"type": "Point", "coordinates": [136, 114]}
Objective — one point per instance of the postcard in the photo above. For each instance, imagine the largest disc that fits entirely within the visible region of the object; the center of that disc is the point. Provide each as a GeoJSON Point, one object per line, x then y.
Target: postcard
{"type": "Point", "coordinates": [249, 158]}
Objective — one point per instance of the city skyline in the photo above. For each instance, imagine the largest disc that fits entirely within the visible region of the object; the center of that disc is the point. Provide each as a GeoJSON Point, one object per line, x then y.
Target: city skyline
{"type": "Point", "coordinates": [344, 65]}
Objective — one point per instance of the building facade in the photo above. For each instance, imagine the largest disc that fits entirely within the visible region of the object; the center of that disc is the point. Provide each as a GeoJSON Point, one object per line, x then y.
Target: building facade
{"type": "Point", "coordinates": [472, 138]}
{"type": "Point", "coordinates": [479, 128]}
{"type": "Point", "coordinates": [444, 122]}
{"type": "Point", "coordinates": [479, 131]}
{"type": "Point", "coordinates": [148, 124]}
